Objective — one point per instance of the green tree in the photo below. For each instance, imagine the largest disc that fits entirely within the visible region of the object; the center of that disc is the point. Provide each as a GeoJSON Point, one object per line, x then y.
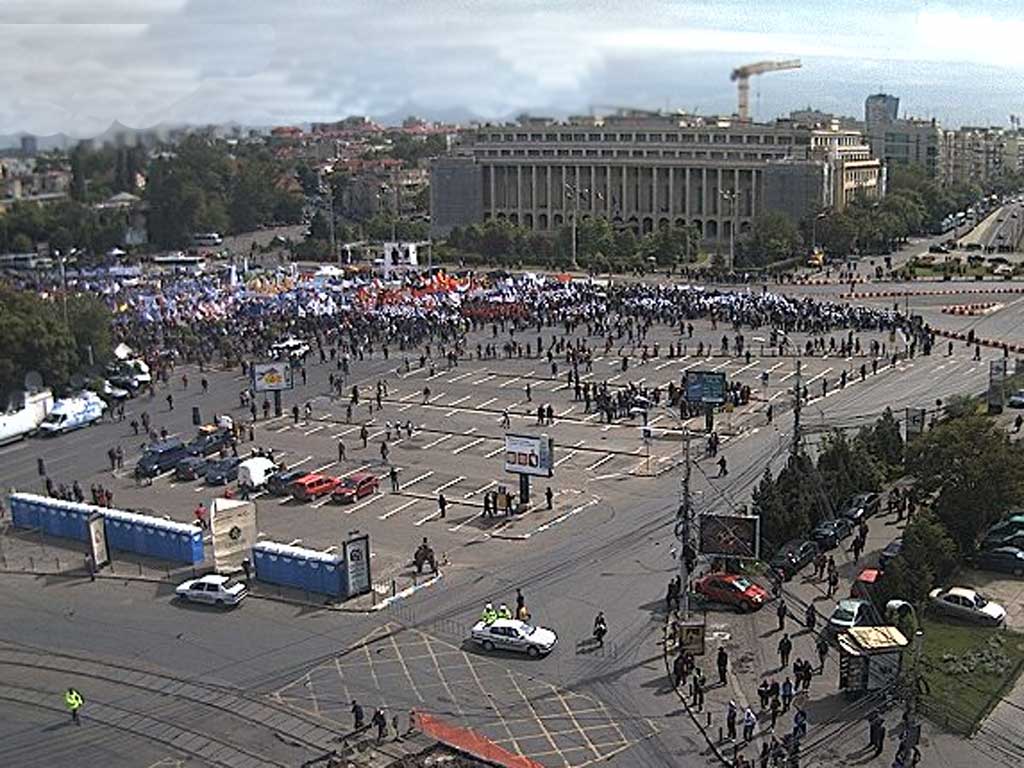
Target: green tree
{"type": "Point", "coordinates": [773, 238]}
{"type": "Point", "coordinates": [972, 473]}
{"type": "Point", "coordinates": [884, 443]}
{"type": "Point", "coordinates": [90, 320]}
{"type": "Point", "coordinates": [847, 468]}
{"type": "Point", "coordinates": [35, 338]}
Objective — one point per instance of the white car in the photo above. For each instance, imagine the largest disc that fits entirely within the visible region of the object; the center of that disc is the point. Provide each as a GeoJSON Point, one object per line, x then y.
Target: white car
{"type": "Point", "coordinates": [214, 589]}
{"type": "Point", "coordinates": [514, 635]}
{"type": "Point", "coordinates": [291, 348]}
{"type": "Point", "coordinates": [966, 604]}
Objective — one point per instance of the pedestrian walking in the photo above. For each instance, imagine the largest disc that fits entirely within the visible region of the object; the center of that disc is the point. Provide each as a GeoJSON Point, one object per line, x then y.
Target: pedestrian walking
{"type": "Point", "coordinates": [442, 505]}
{"type": "Point", "coordinates": [341, 451]}
{"type": "Point", "coordinates": [506, 422]}
{"type": "Point", "coordinates": [781, 611]}
{"type": "Point", "coordinates": [799, 723]}
{"type": "Point", "coordinates": [822, 647]}
{"type": "Point", "coordinates": [763, 693]}
{"type": "Point", "coordinates": [73, 700]}
{"type": "Point", "coordinates": [698, 691]}
{"type": "Point", "coordinates": [247, 568]}
{"type": "Point", "coordinates": [749, 723]}
{"type": "Point", "coordinates": [787, 694]}
{"type": "Point", "coordinates": [785, 648]}
{"type": "Point", "coordinates": [811, 618]}
{"type": "Point", "coordinates": [549, 497]}
{"type": "Point", "coordinates": [723, 467]}
{"type": "Point", "coordinates": [833, 583]}
{"type": "Point", "coordinates": [774, 706]}
{"type": "Point", "coordinates": [357, 716]}
{"type": "Point", "coordinates": [393, 474]}
{"type": "Point", "coordinates": [723, 664]}
{"type": "Point", "coordinates": [364, 435]}
{"type": "Point", "coordinates": [730, 721]}
{"type": "Point", "coordinates": [381, 722]}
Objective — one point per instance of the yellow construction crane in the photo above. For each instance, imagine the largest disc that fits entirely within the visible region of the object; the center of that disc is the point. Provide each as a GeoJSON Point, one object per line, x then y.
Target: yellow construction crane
{"type": "Point", "coordinates": [742, 77]}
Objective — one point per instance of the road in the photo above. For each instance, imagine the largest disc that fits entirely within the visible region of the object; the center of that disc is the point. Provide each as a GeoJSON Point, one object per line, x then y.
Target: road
{"type": "Point", "coordinates": [580, 705]}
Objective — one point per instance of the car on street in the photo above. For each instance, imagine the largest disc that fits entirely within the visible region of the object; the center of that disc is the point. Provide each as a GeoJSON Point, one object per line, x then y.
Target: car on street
{"type": "Point", "coordinates": [891, 550]}
{"type": "Point", "coordinates": [966, 604]}
{"type": "Point", "coordinates": [313, 486]}
{"type": "Point", "coordinates": [114, 393]}
{"type": "Point", "coordinates": [731, 589]}
{"type": "Point", "coordinates": [280, 483]}
{"type": "Point", "coordinates": [289, 349]}
{"type": "Point", "coordinates": [210, 441]}
{"type": "Point", "coordinates": [862, 507]}
{"type": "Point", "coordinates": [223, 471]}
{"type": "Point", "coordinates": [1006, 559]}
{"type": "Point", "coordinates": [828, 533]}
{"type": "Point", "coordinates": [356, 487]}
{"type": "Point", "coordinates": [190, 468]}
{"type": "Point", "coordinates": [850, 613]}
{"type": "Point", "coordinates": [793, 556]}
{"type": "Point", "coordinates": [1016, 400]}
{"type": "Point", "coordinates": [212, 589]}
{"type": "Point", "coordinates": [513, 635]}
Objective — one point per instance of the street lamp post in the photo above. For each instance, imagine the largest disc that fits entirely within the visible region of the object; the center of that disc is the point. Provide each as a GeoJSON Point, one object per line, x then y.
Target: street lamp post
{"type": "Point", "coordinates": [575, 194]}
{"type": "Point", "coordinates": [732, 196]}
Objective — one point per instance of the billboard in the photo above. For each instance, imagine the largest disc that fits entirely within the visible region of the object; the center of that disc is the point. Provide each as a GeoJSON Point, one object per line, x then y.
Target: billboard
{"type": "Point", "coordinates": [233, 526]}
{"type": "Point", "coordinates": [528, 455]}
{"type": "Point", "coordinates": [691, 637]}
{"type": "Point", "coordinates": [997, 373]}
{"type": "Point", "coordinates": [705, 387]}
{"type": "Point", "coordinates": [357, 565]}
{"type": "Point", "coordinates": [730, 535]}
{"type": "Point", "coordinates": [915, 422]}
{"type": "Point", "coordinates": [271, 377]}
{"type": "Point", "coordinates": [98, 541]}
{"type": "Point", "coordinates": [398, 257]}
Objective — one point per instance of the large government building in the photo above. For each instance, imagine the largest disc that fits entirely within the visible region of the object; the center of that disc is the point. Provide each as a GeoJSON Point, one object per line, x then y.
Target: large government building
{"type": "Point", "coordinates": [645, 170]}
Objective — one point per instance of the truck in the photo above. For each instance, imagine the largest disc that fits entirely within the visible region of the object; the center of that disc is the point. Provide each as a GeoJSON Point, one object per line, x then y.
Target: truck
{"type": "Point", "coordinates": [70, 413]}
{"type": "Point", "coordinates": [24, 414]}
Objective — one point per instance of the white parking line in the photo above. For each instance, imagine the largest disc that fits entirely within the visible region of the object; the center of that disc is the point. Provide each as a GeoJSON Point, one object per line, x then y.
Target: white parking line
{"type": "Point", "coordinates": [436, 397]}
{"type": "Point", "coordinates": [470, 494]}
{"type": "Point", "coordinates": [569, 455]}
{"type": "Point", "coordinates": [285, 428]}
{"type": "Point", "coordinates": [360, 505]}
{"type": "Point", "coordinates": [398, 509]}
{"type": "Point", "coordinates": [449, 484]}
{"type": "Point", "coordinates": [665, 364]}
{"type": "Point", "coordinates": [468, 445]}
{"type": "Point", "coordinates": [485, 403]}
{"type": "Point", "coordinates": [344, 432]}
{"type": "Point", "coordinates": [818, 376]}
{"type": "Point", "coordinates": [424, 476]}
{"type": "Point", "coordinates": [300, 462]}
{"type": "Point", "coordinates": [601, 461]}
{"type": "Point", "coordinates": [460, 400]}
{"type": "Point", "coordinates": [357, 469]}
{"type": "Point", "coordinates": [325, 466]}
{"type": "Point", "coordinates": [325, 500]}
{"type": "Point", "coordinates": [408, 397]}
{"type": "Point", "coordinates": [439, 440]}
{"type": "Point", "coordinates": [565, 516]}
{"type": "Point", "coordinates": [460, 376]}
{"type": "Point", "coordinates": [315, 430]}
{"type": "Point", "coordinates": [495, 452]}
{"type": "Point", "coordinates": [507, 382]}
{"type": "Point", "coordinates": [485, 378]}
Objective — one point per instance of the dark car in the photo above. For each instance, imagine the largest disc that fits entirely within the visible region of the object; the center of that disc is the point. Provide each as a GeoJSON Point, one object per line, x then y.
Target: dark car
{"type": "Point", "coordinates": [1012, 525]}
{"type": "Point", "coordinates": [1005, 559]}
{"type": "Point", "coordinates": [160, 457]}
{"type": "Point", "coordinates": [862, 507]}
{"type": "Point", "coordinates": [892, 549]}
{"type": "Point", "coordinates": [828, 533]}
{"type": "Point", "coordinates": [190, 468]}
{"type": "Point", "coordinates": [279, 483]}
{"type": "Point", "coordinates": [1007, 540]}
{"type": "Point", "coordinates": [793, 556]}
{"type": "Point", "coordinates": [222, 472]}
{"type": "Point", "coordinates": [208, 442]}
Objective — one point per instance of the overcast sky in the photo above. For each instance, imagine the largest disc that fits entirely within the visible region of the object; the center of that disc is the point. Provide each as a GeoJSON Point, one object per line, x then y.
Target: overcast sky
{"type": "Point", "coordinates": [76, 66]}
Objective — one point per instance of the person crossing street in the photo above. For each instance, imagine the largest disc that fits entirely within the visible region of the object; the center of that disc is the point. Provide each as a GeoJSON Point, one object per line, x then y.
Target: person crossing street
{"type": "Point", "coordinates": [73, 700]}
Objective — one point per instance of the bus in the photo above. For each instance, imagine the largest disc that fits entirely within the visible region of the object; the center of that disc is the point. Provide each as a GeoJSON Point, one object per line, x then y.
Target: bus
{"type": "Point", "coordinates": [181, 262]}
{"type": "Point", "coordinates": [207, 239]}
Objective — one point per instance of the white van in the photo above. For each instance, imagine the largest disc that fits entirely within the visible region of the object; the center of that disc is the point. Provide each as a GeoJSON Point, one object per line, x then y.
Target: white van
{"type": "Point", "coordinates": [253, 473]}
{"type": "Point", "coordinates": [24, 415]}
{"type": "Point", "coordinates": [73, 412]}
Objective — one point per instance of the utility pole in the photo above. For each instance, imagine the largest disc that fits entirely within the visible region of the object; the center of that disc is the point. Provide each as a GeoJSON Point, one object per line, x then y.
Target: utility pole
{"type": "Point", "coordinates": [797, 401]}
{"type": "Point", "coordinates": [334, 244]}
{"type": "Point", "coordinates": [684, 518]}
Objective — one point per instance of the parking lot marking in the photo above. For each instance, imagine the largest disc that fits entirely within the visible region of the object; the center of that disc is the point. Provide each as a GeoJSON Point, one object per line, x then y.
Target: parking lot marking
{"type": "Point", "coordinates": [818, 376]}
{"type": "Point", "coordinates": [565, 516]}
{"type": "Point", "coordinates": [344, 432]}
{"type": "Point", "coordinates": [398, 509]}
{"type": "Point", "coordinates": [460, 377]}
{"type": "Point", "coordinates": [470, 494]}
{"type": "Point", "coordinates": [508, 382]}
{"type": "Point", "coordinates": [353, 471]}
{"type": "Point", "coordinates": [569, 455]}
{"type": "Point", "coordinates": [314, 430]}
{"type": "Point", "coordinates": [325, 466]}
{"type": "Point", "coordinates": [300, 462]}
{"type": "Point", "coordinates": [468, 445]}
{"type": "Point", "coordinates": [601, 461]}
{"type": "Point", "coordinates": [436, 397]}
{"type": "Point", "coordinates": [424, 476]}
{"type": "Point", "coordinates": [536, 714]}
{"type": "Point", "coordinates": [485, 378]}
{"type": "Point", "coordinates": [438, 490]}
{"type": "Point", "coordinates": [439, 440]}
{"type": "Point", "coordinates": [495, 452]}
{"type": "Point", "coordinates": [460, 400]}
{"type": "Point", "coordinates": [321, 502]}
{"type": "Point", "coordinates": [285, 428]}
{"type": "Point", "coordinates": [366, 503]}
{"type": "Point", "coordinates": [409, 396]}
{"type": "Point", "coordinates": [485, 403]}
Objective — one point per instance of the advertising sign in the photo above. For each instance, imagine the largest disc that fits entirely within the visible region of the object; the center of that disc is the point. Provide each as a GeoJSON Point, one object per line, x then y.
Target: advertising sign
{"type": "Point", "coordinates": [357, 564]}
{"type": "Point", "coordinates": [996, 376]}
{"type": "Point", "coordinates": [705, 387]}
{"type": "Point", "coordinates": [691, 637]}
{"type": "Point", "coordinates": [730, 535]}
{"type": "Point", "coordinates": [528, 455]}
{"type": "Point", "coordinates": [98, 541]}
{"type": "Point", "coordinates": [233, 527]}
{"type": "Point", "coordinates": [398, 257]}
{"type": "Point", "coordinates": [271, 377]}
{"type": "Point", "coordinates": [915, 421]}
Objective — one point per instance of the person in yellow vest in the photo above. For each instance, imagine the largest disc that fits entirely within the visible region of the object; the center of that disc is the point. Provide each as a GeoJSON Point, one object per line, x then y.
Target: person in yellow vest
{"type": "Point", "coordinates": [73, 701]}
{"type": "Point", "coordinates": [489, 615]}
{"type": "Point", "coordinates": [504, 612]}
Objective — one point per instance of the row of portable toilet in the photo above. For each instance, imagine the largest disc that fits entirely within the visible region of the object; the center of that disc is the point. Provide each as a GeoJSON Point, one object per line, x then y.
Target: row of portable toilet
{"type": "Point", "coordinates": [126, 531]}
{"type": "Point", "coordinates": [301, 568]}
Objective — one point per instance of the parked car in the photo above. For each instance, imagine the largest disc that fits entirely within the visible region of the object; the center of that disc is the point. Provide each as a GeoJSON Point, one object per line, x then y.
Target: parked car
{"type": "Point", "coordinates": [892, 549]}
{"type": "Point", "coordinates": [793, 556]}
{"type": "Point", "coordinates": [280, 483]}
{"type": "Point", "coordinates": [356, 487]}
{"type": "Point", "coordinates": [513, 635]}
{"type": "Point", "coordinates": [850, 613]}
{"type": "Point", "coordinates": [1005, 559]}
{"type": "Point", "coordinates": [1003, 540]}
{"type": "Point", "coordinates": [114, 393]}
{"type": "Point", "coordinates": [828, 533]}
{"type": "Point", "coordinates": [1008, 527]}
{"type": "Point", "coordinates": [223, 471]}
{"type": "Point", "coordinates": [862, 507]}
{"type": "Point", "coordinates": [312, 486]}
{"type": "Point", "coordinates": [1016, 400]}
{"type": "Point", "coordinates": [253, 473]}
{"type": "Point", "coordinates": [190, 468]}
{"type": "Point", "coordinates": [966, 604]}
{"type": "Point", "coordinates": [213, 589]}
{"type": "Point", "coordinates": [160, 457]}
{"type": "Point", "coordinates": [732, 589]}
{"type": "Point", "coordinates": [210, 440]}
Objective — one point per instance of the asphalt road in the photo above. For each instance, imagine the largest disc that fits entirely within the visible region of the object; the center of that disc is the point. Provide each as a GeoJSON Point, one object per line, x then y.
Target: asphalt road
{"type": "Point", "coordinates": [576, 707]}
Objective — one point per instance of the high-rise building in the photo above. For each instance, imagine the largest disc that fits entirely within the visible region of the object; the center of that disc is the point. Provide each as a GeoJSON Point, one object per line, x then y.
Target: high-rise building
{"type": "Point", "coordinates": [641, 171]}
{"type": "Point", "coordinates": [880, 109]}
{"type": "Point", "coordinates": [29, 145]}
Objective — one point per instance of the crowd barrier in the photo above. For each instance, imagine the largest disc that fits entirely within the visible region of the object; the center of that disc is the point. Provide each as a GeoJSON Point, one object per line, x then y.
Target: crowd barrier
{"type": "Point", "coordinates": [305, 569]}
{"type": "Point", "coordinates": [126, 531]}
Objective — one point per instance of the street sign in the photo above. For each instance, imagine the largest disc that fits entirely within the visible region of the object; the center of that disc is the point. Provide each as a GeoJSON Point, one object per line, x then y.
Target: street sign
{"type": "Point", "coordinates": [705, 387]}
{"type": "Point", "coordinates": [529, 455]}
{"type": "Point", "coordinates": [271, 377]}
{"type": "Point", "coordinates": [730, 536]}
{"type": "Point", "coordinates": [691, 637]}
{"type": "Point", "coordinates": [357, 565]}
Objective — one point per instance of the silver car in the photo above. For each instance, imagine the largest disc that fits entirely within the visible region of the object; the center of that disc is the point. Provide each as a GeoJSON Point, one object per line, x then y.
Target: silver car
{"type": "Point", "coordinates": [968, 605]}
{"type": "Point", "coordinates": [213, 589]}
{"type": "Point", "coordinates": [513, 635]}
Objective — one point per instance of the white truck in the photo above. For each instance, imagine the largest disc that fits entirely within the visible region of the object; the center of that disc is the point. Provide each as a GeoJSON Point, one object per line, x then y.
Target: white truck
{"type": "Point", "coordinates": [24, 414]}
{"type": "Point", "coordinates": [73, 412]}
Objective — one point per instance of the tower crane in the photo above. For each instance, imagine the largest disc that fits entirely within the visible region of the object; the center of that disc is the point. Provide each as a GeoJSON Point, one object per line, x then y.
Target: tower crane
{"type": "Point", "coordinates": [742, 77]}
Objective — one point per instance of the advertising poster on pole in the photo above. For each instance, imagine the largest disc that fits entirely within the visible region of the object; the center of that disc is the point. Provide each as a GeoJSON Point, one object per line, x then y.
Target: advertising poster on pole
{"type": "Point", "coordinates": [271, 377]}
{"type": "Point", "coordinates": [233, 527]}
{"type": "Point", "coordinates": [357, 565]}
{"type": "Point", "coordinates": [529, 455]}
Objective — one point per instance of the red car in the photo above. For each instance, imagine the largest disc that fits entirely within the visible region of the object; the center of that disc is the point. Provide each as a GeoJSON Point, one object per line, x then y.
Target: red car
{"type": "Point", "coordinates": [311, 486]}
{"type": "Point", "coordinates": [732, 589]}
{"type": "Point", "coordinates": [356, 487]}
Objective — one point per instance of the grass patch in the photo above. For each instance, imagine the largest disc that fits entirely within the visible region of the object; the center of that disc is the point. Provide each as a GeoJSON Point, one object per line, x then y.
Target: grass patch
{"type": "Point", "coordinates": [967, 669]}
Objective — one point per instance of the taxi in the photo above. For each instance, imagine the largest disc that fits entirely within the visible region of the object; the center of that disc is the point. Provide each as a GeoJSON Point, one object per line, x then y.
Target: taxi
{"type": "Point", "coordinates": [513, 635]}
